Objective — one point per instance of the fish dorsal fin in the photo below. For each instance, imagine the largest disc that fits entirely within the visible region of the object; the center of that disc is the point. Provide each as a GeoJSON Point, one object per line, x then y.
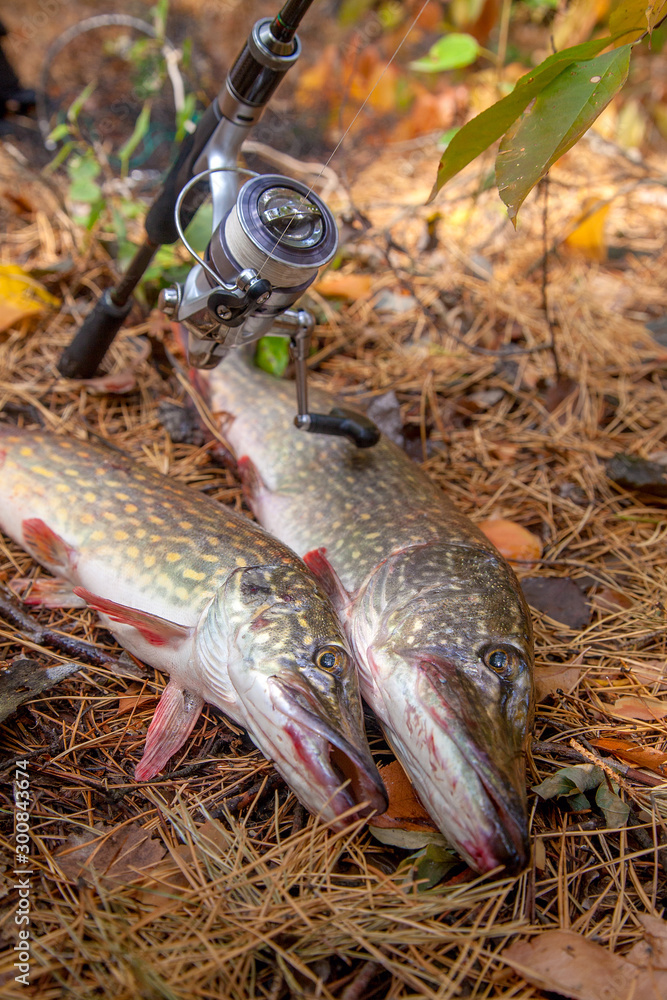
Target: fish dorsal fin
{"type": "Point", "coordinates": [155, 630]}
{"type": "Point", "coordinates": [318, 564]}
{"type": "Point", "coordinates": [48, 548]}
{"type": "Point", "coordinates": [174, 719]}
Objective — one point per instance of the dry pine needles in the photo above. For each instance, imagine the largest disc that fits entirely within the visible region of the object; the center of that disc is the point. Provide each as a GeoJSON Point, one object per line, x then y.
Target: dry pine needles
{"type": "Point", "coordinates": [209, 881]}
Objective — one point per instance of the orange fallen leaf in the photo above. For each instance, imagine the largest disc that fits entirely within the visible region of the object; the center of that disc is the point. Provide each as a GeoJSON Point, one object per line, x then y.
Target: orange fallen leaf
{"type": "Point", "coordinates": [512, 540]}
{"type": "Point", "coordinates": [133, 700]}
{"type": "Point", "coordinates": [588, 237]}
{"type": "Point", "coordinates": [648, 757]}
{"type": "Point", "coordinates": [639, 709]}
{"type": "Point", "coordinates": [405, 822]}
{"type": "Point", "coordinates": [346, 286]}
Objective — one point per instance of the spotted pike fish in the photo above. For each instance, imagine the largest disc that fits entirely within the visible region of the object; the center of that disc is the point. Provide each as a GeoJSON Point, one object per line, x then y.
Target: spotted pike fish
{"type": "Point", "coordinates": [203, 593]}
{"type": "Point", "coordinates": [438, 625]}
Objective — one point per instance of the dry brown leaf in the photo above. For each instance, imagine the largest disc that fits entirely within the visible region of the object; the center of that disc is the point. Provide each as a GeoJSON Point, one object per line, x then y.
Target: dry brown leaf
{"type": "Point", "coordinates": [573, 966]}
{"type": "Point", "coordinates": [511, 539]}
{"type": "Point", "coordinates": [649, 672]}
{"type": "Point", "coordinates": [639, 709]}
{"type": "Point", "coordinates": [114, 857]}
{"type": "Point", "coordinates": [653, 950]}
{"type": "Point", "coordinates": [560, 676]}
{"type": "Point", "coordinates": [607, 600]}
{"type": "Point", "coordinates": [648, 757]}
{"type": "Point", "coordinates": [558, 597]}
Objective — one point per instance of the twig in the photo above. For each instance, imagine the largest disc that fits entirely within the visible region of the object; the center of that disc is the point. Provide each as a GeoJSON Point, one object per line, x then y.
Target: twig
{"type": "Point", "coordinates": [545, 275]}
{"type": "Point", "coordinates": [581, 756]}
{"type": "Point", "coordinates": [356, 989]}
{"type": "Point", "coordinates": [41, 636]}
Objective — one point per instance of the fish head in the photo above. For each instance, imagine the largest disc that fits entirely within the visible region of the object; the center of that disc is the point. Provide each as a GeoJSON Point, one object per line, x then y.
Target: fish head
{"type": "Point", "coordinates": [294, 675]}
{"type": "Point", "coordinates": [456, 660]}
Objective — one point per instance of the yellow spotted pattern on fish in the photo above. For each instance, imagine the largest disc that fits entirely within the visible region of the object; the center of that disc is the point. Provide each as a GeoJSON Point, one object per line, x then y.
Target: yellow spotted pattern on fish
{"type": "Point", "coordinates": [175, 543]}
{"type": "Point", "coordinates": [208, 596]}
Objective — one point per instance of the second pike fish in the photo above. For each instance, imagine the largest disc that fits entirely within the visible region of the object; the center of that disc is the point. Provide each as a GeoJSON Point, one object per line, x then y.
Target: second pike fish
{"type": "Point", "coordinates": [438, 624]}
{"type": "Point", "coordinates": [196, 590]}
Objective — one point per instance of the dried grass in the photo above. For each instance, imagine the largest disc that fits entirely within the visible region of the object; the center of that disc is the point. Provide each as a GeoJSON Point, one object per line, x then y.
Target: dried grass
{"type": "Point", "coordinates": [250, 898]}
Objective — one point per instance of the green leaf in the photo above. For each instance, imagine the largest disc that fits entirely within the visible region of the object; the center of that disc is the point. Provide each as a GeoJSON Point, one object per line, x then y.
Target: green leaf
{"type": "Point", "coordinates": [74, 109]}
{"type": "Point", "coordinates": [185, 117]}
{"type": "Point", "coordinates": [560, 115]}
{"type": "Point", "coordinates": [449, 52]}
{"type": "Point", "coordinates": [82, 172]}
{"type": "Point", "coordinates": [85, 190]}
{"type": "Point", "coordinates": [141, 127]}
{"type": "Point", "coordinates": [428, 866]}
{"type": "Point", "coordinates": [615, 811]}
{"type": "Point", "coordinates": [61, 131]}
{"type": "Point", "coordinates": [478, 134]}
{"type": "Point", "coordinates": [83, 167]}
{"type": "Point", "coordinates": [272, 355]}
{"type": "Point", "coordinates": [447, 136]}
{"type": "Point", "coordinates": [96, 209]}
{"type": "Point", "coordinates": [578, 802]}
{"type": "Point", "coordinates": [564, 782]}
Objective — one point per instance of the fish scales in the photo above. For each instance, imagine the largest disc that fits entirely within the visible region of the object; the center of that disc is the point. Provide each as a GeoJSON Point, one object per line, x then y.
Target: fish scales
{"type": "Point", "coordinates": [439, 626]}
{"type": "Point", "coordinates": [204, 593]}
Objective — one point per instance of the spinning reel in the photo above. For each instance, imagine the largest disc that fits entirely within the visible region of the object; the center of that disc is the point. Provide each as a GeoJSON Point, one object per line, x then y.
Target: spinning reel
{"type": "Point", "coordinates": [269, 239]}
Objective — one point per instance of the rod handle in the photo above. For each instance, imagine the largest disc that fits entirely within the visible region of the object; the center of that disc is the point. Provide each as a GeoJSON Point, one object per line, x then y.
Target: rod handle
{"type": "Point", "coordinates": [83, 356]}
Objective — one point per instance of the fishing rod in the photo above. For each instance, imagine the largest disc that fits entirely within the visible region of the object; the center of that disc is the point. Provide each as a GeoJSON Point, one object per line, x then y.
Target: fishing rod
{"type": "Point", "coordinates": [270, 238]}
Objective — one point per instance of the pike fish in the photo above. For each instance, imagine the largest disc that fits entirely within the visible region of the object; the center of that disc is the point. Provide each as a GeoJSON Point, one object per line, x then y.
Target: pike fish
{"type": "Point", "coordinates": [435, 616]}
{"type": "Point", "coordinates": [203, 593]}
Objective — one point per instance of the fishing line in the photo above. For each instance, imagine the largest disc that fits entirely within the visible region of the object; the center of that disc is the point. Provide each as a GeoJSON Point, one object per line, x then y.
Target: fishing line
{"type": "Point", "coordinates": [350, 126]}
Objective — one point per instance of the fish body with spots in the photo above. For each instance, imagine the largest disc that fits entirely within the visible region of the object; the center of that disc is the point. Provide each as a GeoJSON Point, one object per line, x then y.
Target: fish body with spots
{"type": "Point", "coordinates": [205, 594]}
{"type": "Point", "coordinates": [438, 625]}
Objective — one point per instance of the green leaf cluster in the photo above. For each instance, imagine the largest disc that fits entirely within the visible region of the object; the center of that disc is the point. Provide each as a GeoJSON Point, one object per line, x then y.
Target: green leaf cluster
{"type": "Point", "coordinates": [452, 51]}
{"type": "Point", "coordinates": [573, 782]}
{"type": "Point", "coordinates": [428, 866]}
{"type": "Point", "coordinates": [552, 106]}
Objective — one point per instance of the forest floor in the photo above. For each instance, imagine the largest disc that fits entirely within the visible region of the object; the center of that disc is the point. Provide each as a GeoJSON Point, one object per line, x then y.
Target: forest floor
{"type": "Point", "coordinates": [517, 379]}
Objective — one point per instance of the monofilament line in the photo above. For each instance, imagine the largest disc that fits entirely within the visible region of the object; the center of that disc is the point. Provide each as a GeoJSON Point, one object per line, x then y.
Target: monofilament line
{"type": "Point", "coordinates": [352, 123]}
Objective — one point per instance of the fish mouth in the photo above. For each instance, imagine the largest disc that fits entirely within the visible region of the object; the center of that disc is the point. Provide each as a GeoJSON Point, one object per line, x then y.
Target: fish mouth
{"type": "Point", "coordinates": [464, 761]}
{"type": "Point", "coordinates": [335, 776]}
{"type": "Point", "coordinates": [508, 843]}
{"type": "Point", "coordinates": [499, 837]}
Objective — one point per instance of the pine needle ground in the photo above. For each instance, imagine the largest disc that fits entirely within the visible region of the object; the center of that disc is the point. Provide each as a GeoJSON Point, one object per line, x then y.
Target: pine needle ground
{"type": "Point", "coordinates": [210, 881]}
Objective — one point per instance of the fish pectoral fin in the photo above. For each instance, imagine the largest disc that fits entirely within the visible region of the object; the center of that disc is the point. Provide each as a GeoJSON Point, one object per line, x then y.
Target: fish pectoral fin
{"type": "Point", "coordinates": [318, 564]}
{"type": "Point", "coordinates": [158, 631]}
{"type": "Point", "coordinates": [47, 547]}
{"type": "Point", "coordinates": [174, 720]}
{"type": "Point", "coordinates": [46, 592]}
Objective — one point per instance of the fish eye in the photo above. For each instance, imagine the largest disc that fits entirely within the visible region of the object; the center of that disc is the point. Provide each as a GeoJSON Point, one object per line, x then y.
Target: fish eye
{"type": "Point", "coordinates": [329, 657]}
{"type": "Point", "coordinates": [501, 660]}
